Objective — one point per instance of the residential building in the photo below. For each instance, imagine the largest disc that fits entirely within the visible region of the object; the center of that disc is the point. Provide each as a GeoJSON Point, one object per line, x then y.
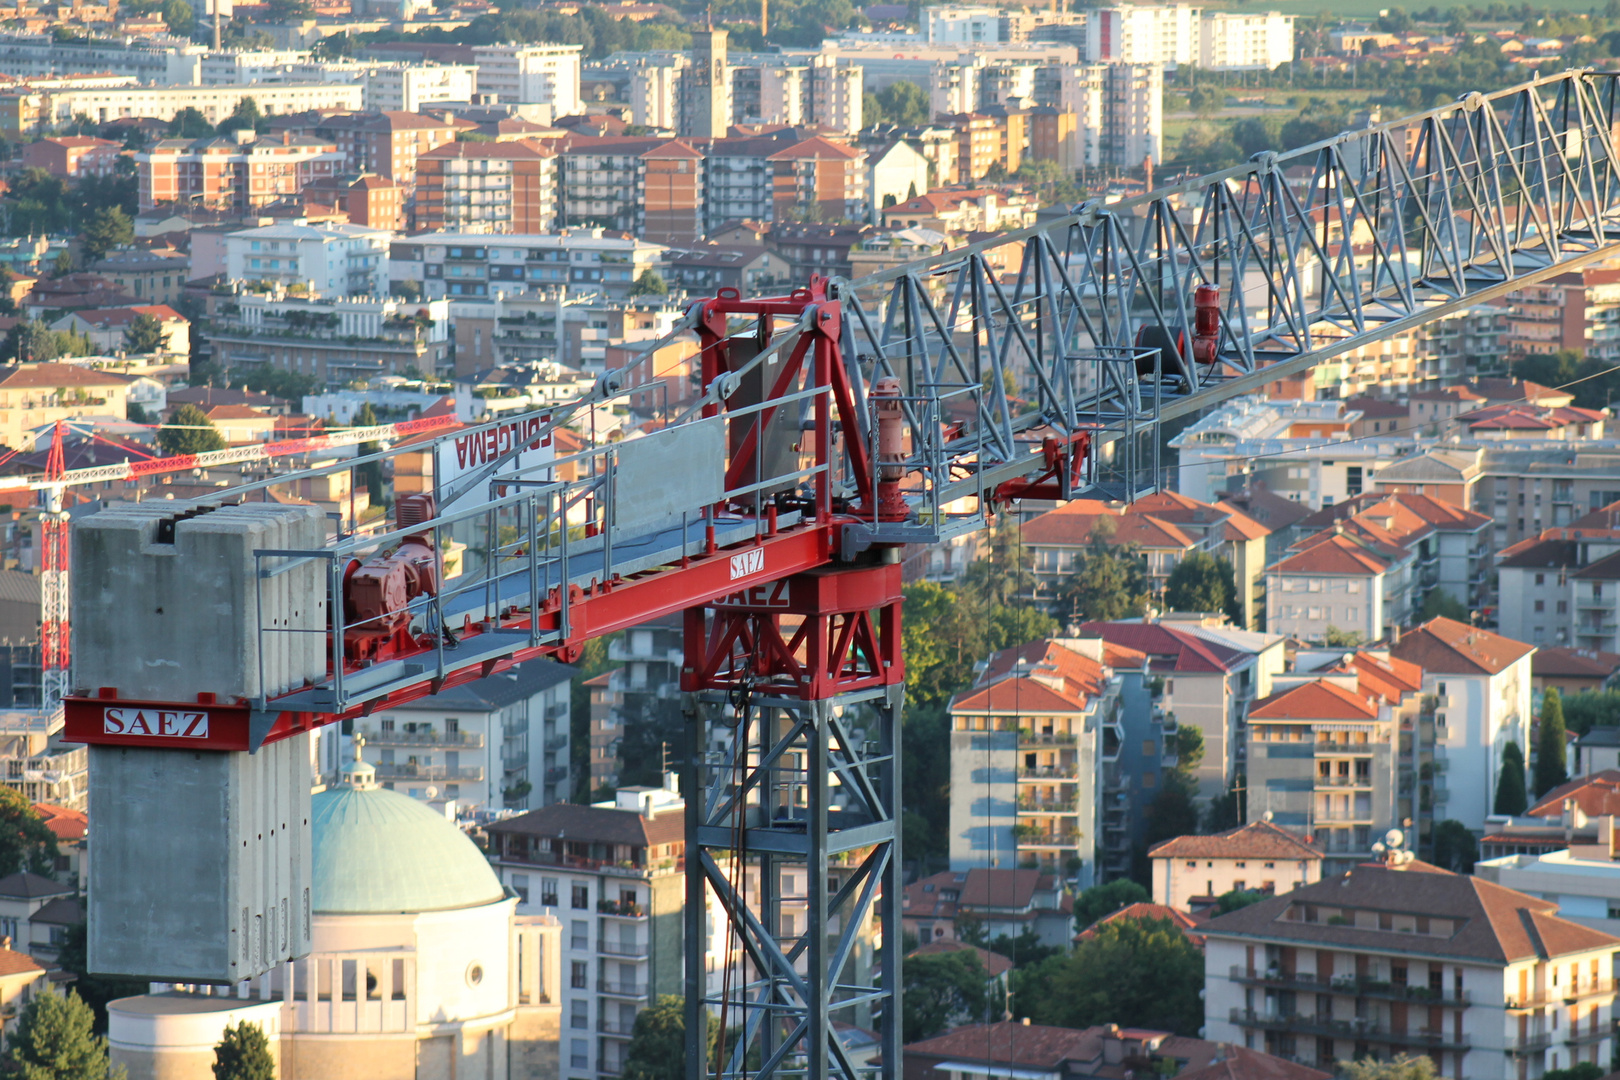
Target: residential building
{"type": "Point", "coordinates": [633, 184]}
{"type": "Point", "coordinates": [497, 743]}
{"type": "Point", "coordinates": [386, 143]}
{"type": "Point", "coordinates": [962, 210]}
{"type": "Point", "coordinates": [108, 329]}
{"type": "Point", "coordinates": [1258, 857]}
{"type": "Point", "coordinates": [816, 249]}
{"type": "Point", "coordinates": [32, 910]}
{"type": "Point", "coordinates": [613, 874]}
{"type": "Point", "coordinates": [956, 24]}
{"type": "Point", "coordinates": [335, 339]}
{"type": "Point", "coordinates": [1577, 310]}
{"type": "Point", "coordinates": [1245, 41]}
{"type": "Point", "coordinates": [1407, 958]}
{"type": "Point", "coordinates": [1000, 901]}
{"type": "Point", "coordinates": [1574, 864]}
{"type": "Point", "coordinates": [642, 690]}
{"type": "Point", "coordinates": [1206, 683]}
{"type": "Point", "coordinates": [655, 91]}
{"type": "Point", "coordinates": [1133, 115]}
{"type": "Point", "coordinates": [540, 74]}
{"type": "Point", "coordinates": [370, 201]}
{"type": "Point", "coordinates": [72, 156]}
{"type": "Point", "coordinates": [707, 268]}
{"type": "Point", "coordinates": [331, 260]}
{"type": "Point", "coordinates": [27, 110]}
{"type": "Point", "coordinates": [1156, 36]}
{"type": "Point", "coordinates": [498, 187]}
{"type": "Point", "coordinates": [1573, 671]}
{"type": "Point", "coordinates": [411, 87]}
{"type": "Point", "coordinates": [1480, 683]}
{"type": "Point", "coordinates": [152, 277]}
{"type": "Point", "coordinates": [21, 977]}
{"type": "Point", "coordinates": [240, 173]}
{"type": "Point", "coordinates": [836, 92]}
{"type": "Point", "coordinates": [34, 395]}
{"type": "Point", "coordinates": [460, 264]}
{"type": "Point", "coordinates": [1027, 742]}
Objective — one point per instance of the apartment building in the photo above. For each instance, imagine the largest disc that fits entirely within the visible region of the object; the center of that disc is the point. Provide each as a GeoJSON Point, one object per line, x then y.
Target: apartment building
{"type": "Point", "coordinates": [1538, 581]}
{"type": "Point", "coordinates": [540, 74]}
{"type": "Point", "coordinates": [386, 143]}
{"type": "Point", "coordinates": [1578, 310]}
{"type": "Point", "coordinates": [1207, 683]}
{"type": "Point", "coordinates": [1341, 580]}
{"type": "Point", "coordinates": [71, 156]}
{"type": "Point", "coordinates": [655, 91]}
{"type": "Point", "coordinates": [332, 260]}
{"type": "Point", "coordinates": [239, 173]}
{"type": "Point", "coordinates": [336, 339]}
{"type": "Point", "coordinates": [653, 187]}
{"type": "Point", "coordinates": [497, 743]}
{"type": "Point", "coordinates": [1404, 958]}
{"type": "Point", "coordinates": [1158, 36]}
{"type": "Point", "coordinates": [1243, 41]}
{"type": "Point", "coordinates": [371, 201]}
{"type": "Point", "coordinates": [155, 276]}
{"type": "Point", "coordinates": [1480, 684]}
{"type": "Point", "coordinates": [499, 187]}
{"type": "Point", "coordinates": [1026, 744]}
{"type": "Point", "coordinates": [1259, 857]}
{"type": "Point", "coordinates": [34, 395]}
{"type": "Point", "coordinates": [457, 264]}
{"type": "Point", "coordinates": [644, 688]}
{"type": "Point", "coordinates": [1000, 901]}
{"type": "Point", "coordinates": [25, 111]}
{"type": "Point", "coordinates": [1133, 116]}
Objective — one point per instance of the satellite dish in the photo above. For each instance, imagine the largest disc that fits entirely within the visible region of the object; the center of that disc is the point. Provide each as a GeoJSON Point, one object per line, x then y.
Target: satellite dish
{"type": "Point", "coordinates": [1378, 849]}
{"type": "Point", "coordinates": [431, 792]}
{"type": "Point", "coordinates": [1394, 837]}
{"type": "Point", "coordinates": [1266, 816]}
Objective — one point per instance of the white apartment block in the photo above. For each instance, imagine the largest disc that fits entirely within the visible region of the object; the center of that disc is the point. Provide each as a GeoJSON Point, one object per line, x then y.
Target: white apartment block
{"type": "Point", "coordinates": [546, 74]}
{"type": "Point", "coordinates": [413, 87]}
{"type": "Point", "coordinates": [836, 91]}
{"type": "Point", "coordinates": [499, 743]}
{"type": "Point", "coordinates": [1260, 857]}
{"type": "Point", "coordinates": [948, 25]}
{"type": "Point", "coordinates": [332, 260]}
{"type": "Point", "coordinates": [784, 94]}
{"type": "Point", "coordinates": [655, 93]}
{"type": "Point", "coordinates": [1162, 36]}
{"type": "Point", "coordinates": [1133, 115]}
{"type": "Point", "coordinates": [49, 108]}
{"type": "Point", "coordinates": [953, 86]}
{"type": "Point", "coordinates": [1236, 41]}
{"type": "Point", "coordinates": [1393, 959]}
{"type": "Point", "coordinates": [474, 264]}
{"type": "Point", "coordinates": [1340, 582]}
{"type": "Point", "coordinates": [1480, 685]}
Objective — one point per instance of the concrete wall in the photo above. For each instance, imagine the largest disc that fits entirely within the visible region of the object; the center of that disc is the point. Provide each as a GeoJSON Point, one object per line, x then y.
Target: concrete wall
{"type": "Point", "coordinates": [984, 799]}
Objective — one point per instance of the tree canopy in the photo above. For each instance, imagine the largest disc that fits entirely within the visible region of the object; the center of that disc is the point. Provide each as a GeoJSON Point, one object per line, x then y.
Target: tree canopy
{"type": "Point", "coordinates": [1131, 972]}
{"type": "Point", "coordinates": [108, 228]}
{"type": "Point", "coordinates": [1205, 583]}
{"type": "Point", "coordinates": [54, 1040]}
{"type": "Point", "coordinates": [657, 1049]}
{"type": "Point", "coordinates": [1551, 745]}
{"type": "Point", "coordinates": [1455, 848]}
{"type": "Point", "coordinates": [1102, 900]}
{"type": "Point", "coordinates": [189, 431]}
{"type": "Point", "coordinates": [1107, 582]}
{"type": "Point", "coordinates": [650, 283]}
{"type": "Point", "coordinates": [144, 335]}
{"type": "Point", "coordinates": [26, 843]}
{"type": "Point", "coordinates": [1511, 796]}
{"type": "Point", "coordinates": [96, 990]}
{"type": "Point", "coordinates": [902, 102]}
{"type": "Point", "coordinates": [1404, 1067]}
{"type": "Point", "coordinates": [943, 990]}
{"type": "Point", "coordinates": [1591, 708]}
{"type": "Point", "coordinates": [244, 1054]}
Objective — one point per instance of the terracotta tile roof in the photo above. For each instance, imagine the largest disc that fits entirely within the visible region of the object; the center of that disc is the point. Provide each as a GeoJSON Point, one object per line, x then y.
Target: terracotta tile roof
{"type": "Point", "coordinates": [1241, 1063]}
{"type": "Point", "coordinates": [815, 147]}
{"type": "Point", "coordinates": [597, 823]}
{"type": "Point", "coordinates": [1384, 676]}
{"type": "Point", "coordinates": [935, 896]}
{"type": "Point", "coordinates": [42, 376]}
{"type": "Point", "coordinates": [65, 824]}
{"type": "Point", "coordinates": [16, 963]}
{"type": "Point", "coordinates": [1597, 794]}
{"type": "Point", "coordinates": [1318, 700]}
{"type": "Point", "coordinates": [995, 965]}
{"type": "Point", "coordinates": [1180, 919]}
{"type": "Point", "coordinates": [1604, 569]}
{"type": "Point", "coordinates": [1168, 648]}
{"type": "Point", "coordinates": [1004, 888]}
{"type": "Point", "coordinates": [1010, 1043]}
{"type": "Point", "coordinates": [520, 149]}
{"type": "Point", "coordinates": [1336, 555]}
{"type": "Point", "coordinates": [1536, 554]}
{"type": "Point", "coordinates": [1576, 663]}
{"type": "Point", "coordinates": [1048, 658]}
{"type": "Point", "coordinates": [236, 412]}
{"type": "Point", "coordinates": [1453, 648]}
{"type": "Point", "coordinates": [1491, 923]}
{"type": "Point", "coordinates": [1260, 840]}
{"type": "Point", "coordinates": [1068, 525]}
{"type": "Point", "coordinates": [1017, 694]}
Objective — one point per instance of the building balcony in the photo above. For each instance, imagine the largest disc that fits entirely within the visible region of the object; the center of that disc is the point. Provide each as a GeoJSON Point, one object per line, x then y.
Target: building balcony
{"type": "Point", "coordinates": [1349, 985]}
{"type": "Point", "coordinates": [391, 771]}
{"type": "Point", "coordinates": [620, 909]}
{"type": "Point", "coordinates": [460, 740]}
{"type": "Point", "coordinates": [1344, 782]}
{"type": "Point", "coordinates": [1533, 1043]}
{"type": "Point", "coordinates": [1033, 739]}
{"type": "Point", "coordinates": [621, 949]}
{"type": "Point", "coordinates": [621, 989]}
{"type": "Point", "coordinates": [1065, 838]}
{"type": "Point", "coordinates": [1359, 1027]}
{"type": "Point", "coordinates": [614, 1028]}
{"type": "Point", "coordinates": [1561, 996]}
{"type": "Point", "coordinates": [1050, 772]}
{"type": "Point", "coordinates": [1059, 805]}
{"type": "Point", "coordinates": [1582, 1038]}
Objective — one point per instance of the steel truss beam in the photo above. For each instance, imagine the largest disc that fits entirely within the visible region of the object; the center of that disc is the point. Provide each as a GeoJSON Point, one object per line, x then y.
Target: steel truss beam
{"type": "Point", "coordinates": [807, 683]}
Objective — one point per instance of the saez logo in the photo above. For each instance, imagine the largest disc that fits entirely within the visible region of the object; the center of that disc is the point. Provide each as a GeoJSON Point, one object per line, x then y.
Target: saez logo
{"type": "Point", "coordinates": [170, 722]}
{"type": "Point", "coordinates": [749, 562]}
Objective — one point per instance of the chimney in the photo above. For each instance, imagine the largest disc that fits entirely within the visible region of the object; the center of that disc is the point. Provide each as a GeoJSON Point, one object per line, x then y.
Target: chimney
{"type": "Point", "coordinates": [1024, 1021]}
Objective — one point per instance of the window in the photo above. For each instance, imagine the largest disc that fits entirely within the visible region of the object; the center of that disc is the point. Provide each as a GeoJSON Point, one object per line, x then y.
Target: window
{"type": "Point", "coordinates": [1541, 605]}
{"type": "Point", "coordinates": [520, 885]}
{"type": "Point", "coordinates": [577, 975]}
{"type": "Point", "coordinates": [548, 891]}
{"type": "Point", "coordinates": [1541, 579]}
{"type": "Point", "coordinates": [580, 898]}
{"type": "Point", "coordinates": [1192, 864]}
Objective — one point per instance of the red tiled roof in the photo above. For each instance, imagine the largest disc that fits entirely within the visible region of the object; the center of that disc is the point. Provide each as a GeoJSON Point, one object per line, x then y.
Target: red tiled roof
{"type": "Point", "coordinates": [815, 147]}
{"type": "Point", "coordinates": [36, 376]}
{"type": "Point", "coordinates": [1335, 555]}
{"type": "Point", "coordinates": [1003, 888]}
{"type": "Point", "coordinates": [64, 823]}
{"type": "Point", "coordinates": [1017, 694]}
{"type": "Point", "coordinates": [1180, 919]}
{"type": "Point", "coordinates": [1574, 663]}
{"type": "Point", "coordinates": [994, 964]}
{"type": "Point", "coordinates": [1259, 840]}
{"type": "Point", "coordinates": [1183, 652]}
{"type": "Point", "coordinates": [1009, 1043]}
{"type": "Point", "coordinates": [1318, 700]}
{"type": "Point", "coordinates": [1453, 648]}
{"type": "Point", "coordinates": [1597, 794]}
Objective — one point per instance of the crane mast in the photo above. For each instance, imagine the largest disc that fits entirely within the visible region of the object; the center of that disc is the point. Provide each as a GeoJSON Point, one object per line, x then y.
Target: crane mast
{"type": "Point", "coordinates": [828, 428]}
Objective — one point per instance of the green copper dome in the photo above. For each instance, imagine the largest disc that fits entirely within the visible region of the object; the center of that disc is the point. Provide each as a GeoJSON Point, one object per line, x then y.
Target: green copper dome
{"type": "Point", "coordinates": [378, 852]}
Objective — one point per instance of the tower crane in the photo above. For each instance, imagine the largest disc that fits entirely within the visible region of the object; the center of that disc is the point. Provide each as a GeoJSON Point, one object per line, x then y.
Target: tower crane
{"type": "Point", "coordinates": [830, 427]}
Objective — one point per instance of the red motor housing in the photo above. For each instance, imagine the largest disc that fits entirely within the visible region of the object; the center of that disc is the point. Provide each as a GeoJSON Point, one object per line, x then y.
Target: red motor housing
{"type": "Point", "coordinates": [377, 592]}
{"type": "Point", "coordinates": [1206, 323]}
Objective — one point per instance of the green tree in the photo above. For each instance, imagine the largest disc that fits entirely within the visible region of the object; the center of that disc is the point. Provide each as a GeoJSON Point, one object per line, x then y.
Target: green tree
{"type": "Point", "coordinates": [1205, 100]}
{"type": "Point", "coordinates": [1235, 899]}
{"type": "Point", "coordinates": [244, 1054]}
{"type": "Point", "coordinates": [1227, 811]}
{"type": "Point", "coordinates": [189, 431]}
{"type": "Point", "coordinates": [904, 103]}
{"type": "Point", "coordinates": [188, 123]}
{"type": "Point", "coordinates": [657, 1049]}
{"type": "Point", "coordinates": [1103, 900]}
{"type": "Point", "coordinates": [1511, 797]}
{"type": "Point", "coordinates": [179, 16]}
{"type": "Point", "coordinates": [145, 334]}
{"type": "Point", "coordinates": [1441, 604]}
{"type": "Point", "coordinates": [1208, 147]}
{"type": "Point", "coordinates": [247, 116]}
{"type": "Point", "coordinates": [1189, 747]}
{"type": "Point", "coordinates": [1254, 135]}
{"type": "Point", "coordinates": [1107, 582]}
{"type": "Point", "coordinates": [1404, 1067]}
{"type": "Point", "coordinates": [650, 283]}
{"type": "Point", "coordinates": [1131, 972]}
{"type": "Point", "coordinates": [34, 342]}
{"type": "Point", "coordinates": [96, 990]}
{"type": "Point", "coordinates": [1334, 638]}
{"type": "Point", "coordinates": [1551, 744]}
{"type": "Point", "coordinates": [25, 841]}
{"type": "Point", "coordinates": [943, 990]}
{"type": "Point", "coordinates": [1205, 583]}
{"type": "Point", "coordinates": [1172, 812]}
{"type": "Point", "coordinates": [1455, 847]}
{"type": "Point", "coordinates": [55, 1040]}
{"type": "Point", "coordinates": [1584, 1070]}
{"type": "Point", "coordinates": [285, 11]}
{"type": "Point", "coordinates": [1592, 708]}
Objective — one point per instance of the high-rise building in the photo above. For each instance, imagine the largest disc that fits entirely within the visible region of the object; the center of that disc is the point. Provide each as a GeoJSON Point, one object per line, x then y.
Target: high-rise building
{"type": "Point", "coordinates": [239, 173]}
{"type": "Point", "coordinates": [542, 74]}
{"type": "Point", "coordinates": [500, 187]}
{"type": "Point", "coordinates": [1157, 35]}
{"type": "Point", "coordinates": [1245, 41]}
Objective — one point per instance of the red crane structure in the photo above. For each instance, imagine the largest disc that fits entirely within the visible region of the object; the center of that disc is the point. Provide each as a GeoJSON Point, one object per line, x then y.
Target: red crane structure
{"type": "Point", "coordinates": [827, 429]}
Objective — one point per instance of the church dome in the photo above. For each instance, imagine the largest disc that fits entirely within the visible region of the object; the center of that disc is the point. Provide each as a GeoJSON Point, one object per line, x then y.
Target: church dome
{"type": "Point", "coordinates": [379, 852]}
